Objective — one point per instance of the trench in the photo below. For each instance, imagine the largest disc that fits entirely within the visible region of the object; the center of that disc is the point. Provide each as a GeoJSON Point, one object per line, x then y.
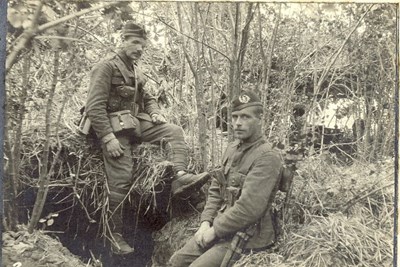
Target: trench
{"type": "Point", "coordinates": [84, 239]}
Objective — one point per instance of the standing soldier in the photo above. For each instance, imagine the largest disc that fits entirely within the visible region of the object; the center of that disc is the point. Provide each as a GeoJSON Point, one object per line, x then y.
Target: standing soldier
{"type": "Point", "coordinates": [122, 112]}
{"type": "Point", "coordinates": [237, 215]}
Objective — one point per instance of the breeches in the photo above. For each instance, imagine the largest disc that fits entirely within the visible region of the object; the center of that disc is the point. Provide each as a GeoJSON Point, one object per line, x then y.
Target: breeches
{"type": "Point", "coordinates": [120, 170]}
{"type": "Point", "coordinates": [195, 256]}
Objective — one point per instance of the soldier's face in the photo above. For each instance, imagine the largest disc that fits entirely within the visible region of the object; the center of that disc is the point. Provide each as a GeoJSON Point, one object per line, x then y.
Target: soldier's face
{"type": "Point", "coordinates": [133, 47]}
{"type": "Point", "coordinates": [246, 124]}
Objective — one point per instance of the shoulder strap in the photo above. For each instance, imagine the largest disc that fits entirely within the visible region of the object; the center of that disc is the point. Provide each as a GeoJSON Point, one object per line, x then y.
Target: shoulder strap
{"type": "Point", "coordinates": [123, 69]}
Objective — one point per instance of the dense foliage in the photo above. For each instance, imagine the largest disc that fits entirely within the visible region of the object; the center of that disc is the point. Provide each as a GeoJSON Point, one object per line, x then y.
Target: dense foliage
{"type": "Point", "coordinates": [326, 74]}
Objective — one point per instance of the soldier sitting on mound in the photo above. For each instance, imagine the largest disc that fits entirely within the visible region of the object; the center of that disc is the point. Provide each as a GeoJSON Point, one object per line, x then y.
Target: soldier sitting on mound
{"type": "Point", "coordinates": [122, 112]}
{"type": "Point", "coordinates": [240, 196]}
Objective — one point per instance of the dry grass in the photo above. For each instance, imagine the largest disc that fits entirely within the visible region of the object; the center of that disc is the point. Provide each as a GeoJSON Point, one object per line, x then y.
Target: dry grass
{"type": "Point", "coordinates": [172, 237]}
{"type": "Point", "coordinates": [335, 216]}
{"type": "Point", "coordinates": [338, 216]}
{"type": "Point", "coordinates": [337, 240]}
{"type": "Point", "coordinates": [37, 249]}
{"type": "Point", "coordinates": [79, 171]}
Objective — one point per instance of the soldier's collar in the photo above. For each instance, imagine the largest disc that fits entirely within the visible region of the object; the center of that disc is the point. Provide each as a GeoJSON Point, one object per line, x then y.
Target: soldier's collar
{"type": "Point", "coordinates": [125, 59]}
{"type": "Point", "coordinates": [245, 145]}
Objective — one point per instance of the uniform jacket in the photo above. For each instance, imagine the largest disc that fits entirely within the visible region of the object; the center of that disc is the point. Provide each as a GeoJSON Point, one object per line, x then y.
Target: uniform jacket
{"type": "Point", "coordinates": [257, 184]}
{"type": "Point", "coordinates": [104, 96]}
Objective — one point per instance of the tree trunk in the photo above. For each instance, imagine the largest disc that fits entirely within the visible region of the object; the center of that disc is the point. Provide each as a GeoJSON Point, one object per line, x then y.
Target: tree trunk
{"type": "Point", "coordinates": [237, 55]}
{"type": "Point", "coordinates": [201, 113]}
{"type": "Point", "coordinates": [198, 78]}
{"type": "Point", "coordinates": [44, 176]}
{"type": "Point", "coordinates": [13, 149]}
{"type": "Point", "coordinates": [267, 62]}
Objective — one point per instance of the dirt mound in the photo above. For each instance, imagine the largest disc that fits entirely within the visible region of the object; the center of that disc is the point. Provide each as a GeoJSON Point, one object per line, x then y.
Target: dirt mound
{"type": "Point", "coordinates": [21, 249]}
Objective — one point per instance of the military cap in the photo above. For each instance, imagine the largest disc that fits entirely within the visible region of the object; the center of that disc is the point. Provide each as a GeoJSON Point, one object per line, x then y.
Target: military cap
{"type": "Point", "coordinates": [246, 99]}
{"type": "Point", "coordinates": [133, 29]}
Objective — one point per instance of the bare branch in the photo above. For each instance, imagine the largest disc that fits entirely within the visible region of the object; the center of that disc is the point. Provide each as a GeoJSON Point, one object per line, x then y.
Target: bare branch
{"type": "Point", "coordinates": [28, 34]}
{"type": "Point", "coordinates": [54, 23]}
{"type": "Point", "coordinates": [339, 51]}
{"type": "Point", "coordinates": [191, 38]}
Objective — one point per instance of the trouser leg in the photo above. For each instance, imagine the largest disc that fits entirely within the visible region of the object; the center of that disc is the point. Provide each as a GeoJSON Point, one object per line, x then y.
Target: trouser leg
{"type": "Point", "coordinates": [184, 184]}
{"type": "Point", "coordinates": [119, 180]}
{"type": "Point", "coordinates": [115, 209]}
{"type": "Point", "coordinates": [173, 135]}
{"type": "Point", "coordinates": [195, 256]}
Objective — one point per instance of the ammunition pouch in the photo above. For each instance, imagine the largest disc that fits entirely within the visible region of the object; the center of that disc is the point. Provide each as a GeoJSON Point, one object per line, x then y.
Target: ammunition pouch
{"type": "Point", "coordinates": [218, 174]}
{"type": "Point", "coordinates": [123, 97]}
{"type": "Point", "coordinates": [233, 194]}
{"type": "Point", "coordinates": [126, 91]}
{"type": "Point", "coordinates": [229, 193]}
{"type": "Point", "coordinates": [124, 121]}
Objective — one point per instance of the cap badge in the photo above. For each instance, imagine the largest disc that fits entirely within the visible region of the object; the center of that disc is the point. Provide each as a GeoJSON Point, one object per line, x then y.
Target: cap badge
{"type": "Point", "coordinates": [244, 99]}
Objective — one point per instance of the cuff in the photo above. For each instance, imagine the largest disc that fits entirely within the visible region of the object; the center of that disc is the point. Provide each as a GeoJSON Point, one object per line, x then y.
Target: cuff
{"type": "Point", "coordinates": [210, 222]}
{"type": "Point", "coordinates": [107, 138]}
{"type": "Point", "coordinates": [221, 231]}
{"type": "Point", "coordinates": [218, 233]}
{"type": "Point", "coordinates": [206, 217]}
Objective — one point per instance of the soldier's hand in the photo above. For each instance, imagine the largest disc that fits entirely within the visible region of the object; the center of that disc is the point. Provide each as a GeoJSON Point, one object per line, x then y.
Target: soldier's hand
{"type": "Point", "coordinates": [208, 237]}
{"type": "Point", "coordinates": [158, 119]}
{"type": "Point", "coordinates": [198, 236]}
{"type": "Point", "coordinates": [114, 148]}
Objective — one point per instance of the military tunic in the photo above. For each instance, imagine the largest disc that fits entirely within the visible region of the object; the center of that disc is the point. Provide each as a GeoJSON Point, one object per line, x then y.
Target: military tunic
{"type": "Point", "coordinates": [252, 172]}
{"type": "Point", "coordinates": [105, 96]}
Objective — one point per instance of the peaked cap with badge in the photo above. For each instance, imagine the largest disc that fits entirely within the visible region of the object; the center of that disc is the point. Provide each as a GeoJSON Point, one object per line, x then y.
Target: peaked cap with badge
{"type": "Point", "coordinates": [246, 99]}
{"type": "Point", "coordinates": [133, 29]}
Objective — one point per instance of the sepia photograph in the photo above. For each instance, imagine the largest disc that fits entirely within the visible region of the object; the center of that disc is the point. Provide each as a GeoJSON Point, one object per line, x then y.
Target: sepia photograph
{"type": "Point", "coordinates": [199, 133]}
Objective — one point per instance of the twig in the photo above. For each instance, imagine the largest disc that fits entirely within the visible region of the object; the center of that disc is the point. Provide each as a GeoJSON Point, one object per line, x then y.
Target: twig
{"type": "Point", "coordinates": [68, 39]}
{"type": "Point", "coordinates": [91, 220]}
{"type": "Point", "coordinates": [353, 201]}
{"type": "Point", "coordinates": [335, 56]}
{"type": "Point", "coordinates": [192, 38]}
{"type": "Point", "coordinates": [27, 35]}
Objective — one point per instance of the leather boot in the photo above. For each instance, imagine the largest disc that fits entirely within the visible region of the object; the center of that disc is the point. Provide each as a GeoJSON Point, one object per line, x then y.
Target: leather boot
{"type": "Point", "coordinates": [118, 244]}
{"type": "Point", "coordinates": [187, 183]}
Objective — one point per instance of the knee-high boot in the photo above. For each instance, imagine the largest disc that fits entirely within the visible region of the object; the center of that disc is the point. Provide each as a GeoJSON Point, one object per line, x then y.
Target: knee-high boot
{"type": "Point", "coordinates": [118, 245]}
{"type": "Point", "coordinates": [183, 183]}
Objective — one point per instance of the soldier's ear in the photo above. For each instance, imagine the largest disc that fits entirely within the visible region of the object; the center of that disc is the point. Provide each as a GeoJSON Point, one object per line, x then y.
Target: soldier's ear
{"type": "Point", "coordinates": [259, 123]}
